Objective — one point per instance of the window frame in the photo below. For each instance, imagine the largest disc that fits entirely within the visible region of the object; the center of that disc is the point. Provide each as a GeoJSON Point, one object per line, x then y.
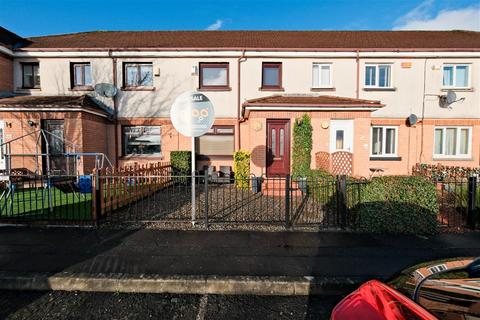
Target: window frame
{"type": "Point", "coordinates": [383, 154]}
{"type": "Point", "coordinates": [454, 77]}
{"type": "Point", "coordinates": [320, 64]}
{"type": "Point", "coordinates": [377, 76]}
{"type": "Point", "coordinates": [215, 133]}
{"type": "Point", "coordinates": [212, 65]}
{"type": "Point", "coordinates": [138, 65]}
{"type": "Point", "coordinates": [72, 75]}
{"type": "Point", "coordinates": [457, 155]}
{"type": "Point", "coordinates": [136, 155]}
{"type": "Point", "coordinates": [279, 66]}
{"type": "Point", "coordinates": [32, 64]}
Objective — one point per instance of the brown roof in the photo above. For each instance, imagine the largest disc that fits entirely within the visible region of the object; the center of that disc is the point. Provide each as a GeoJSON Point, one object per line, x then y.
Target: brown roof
{"type": "Point", "coordinates": [320, 101]}
{"type": "Point", "coordinates": [275, 40]}
{"type": "Point", "coordinates": [51, 102]}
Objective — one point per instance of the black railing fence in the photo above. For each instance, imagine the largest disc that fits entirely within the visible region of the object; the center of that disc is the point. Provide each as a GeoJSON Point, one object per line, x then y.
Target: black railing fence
{"type": "Point", "coordinates": [47, 199]}
{"type": "Point", "coordinates": [458, 200]}
{"type": "Point", "coordinates": [281, 201]}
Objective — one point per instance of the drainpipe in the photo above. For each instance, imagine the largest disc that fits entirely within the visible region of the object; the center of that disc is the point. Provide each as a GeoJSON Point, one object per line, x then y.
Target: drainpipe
{"type": "Point", "coordinates": [237, 129]}
{"type": "Point", "coordinates": [115, 105]}
{"type": "Point", "coordinates": [357, 92]}
{"type": "Point", "coordinates": [423, 109]}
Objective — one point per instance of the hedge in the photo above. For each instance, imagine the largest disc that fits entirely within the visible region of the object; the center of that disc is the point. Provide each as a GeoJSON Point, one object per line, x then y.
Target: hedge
{"type": "Point", "coordinates": [302, 147]}
{"type": "Point", "coordinates": [241, 169]}
{"type": "Point", "coordinates": [181, 162]}
{"type": "Point", "coordinates": [398, 205]}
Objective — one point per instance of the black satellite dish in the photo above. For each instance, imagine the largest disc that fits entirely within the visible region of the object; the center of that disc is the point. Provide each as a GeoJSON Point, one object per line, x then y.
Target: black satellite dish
{"type": "Point", "coordinates": [412, 119]}
{"type": "Point", "coordinates": [105, 90]}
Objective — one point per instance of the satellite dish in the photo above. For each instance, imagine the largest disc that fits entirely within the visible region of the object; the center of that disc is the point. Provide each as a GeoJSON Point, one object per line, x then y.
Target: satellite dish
{"type": "Point", "coordinates": [106, 90]}
{"type": "Point", "coordinates": [412, 119]}
{"type": "Point", "coordinates": [447, 100]}
{"type": "Point", "coordinates": [451, 97]}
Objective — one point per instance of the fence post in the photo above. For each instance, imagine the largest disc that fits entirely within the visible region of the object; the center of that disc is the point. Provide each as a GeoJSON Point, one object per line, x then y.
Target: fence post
{"type": "Point", "coordinates": [471, 205]}
{"type": "Point", "coordinates": [341, 205]}
{"type": "Point", "coordinates": [205, 181]}
{"type": "Point", "coordinates": [97, 211]}
{"type": "Point", "coordinates": [287, 201]}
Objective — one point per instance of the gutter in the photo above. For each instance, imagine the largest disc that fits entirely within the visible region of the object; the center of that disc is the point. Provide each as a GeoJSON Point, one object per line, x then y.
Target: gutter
{"type": "Point", "coordinates": [6, 51]}
{"type": "Point", "coordinates": [23, 109]}
{"type": "Point", "coordinates": [153, 49]}
{"type": "Point", "coordinates": [290, 108]}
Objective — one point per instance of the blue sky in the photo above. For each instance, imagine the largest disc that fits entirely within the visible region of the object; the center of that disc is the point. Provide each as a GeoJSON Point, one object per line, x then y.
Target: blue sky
{"type": "Point", "coordinates": [42, 17]}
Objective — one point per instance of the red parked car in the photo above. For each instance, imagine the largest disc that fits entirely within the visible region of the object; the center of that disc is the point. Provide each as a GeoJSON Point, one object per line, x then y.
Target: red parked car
{"type": "Point", "coordinates": [443, 290]}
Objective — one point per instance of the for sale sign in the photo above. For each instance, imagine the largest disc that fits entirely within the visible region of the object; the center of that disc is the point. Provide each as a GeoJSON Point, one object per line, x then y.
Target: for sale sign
{"type": "Point", "coordinates": [192, 114]}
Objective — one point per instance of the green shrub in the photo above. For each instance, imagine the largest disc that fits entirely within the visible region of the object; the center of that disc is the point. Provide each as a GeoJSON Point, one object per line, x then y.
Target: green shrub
{"type": "Point", "coordinates": [398, 205]}
{"type": "Point", "coordinates": [181, 162]}
{"type": "Point", "coordinates": [241, 169]}
{"type": "Point", "coordinates": [302, 147]}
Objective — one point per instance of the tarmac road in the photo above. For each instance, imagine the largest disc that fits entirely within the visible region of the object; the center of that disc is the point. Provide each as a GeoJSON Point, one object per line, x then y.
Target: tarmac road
{"type": "Point", "coordinates": [34, 305]}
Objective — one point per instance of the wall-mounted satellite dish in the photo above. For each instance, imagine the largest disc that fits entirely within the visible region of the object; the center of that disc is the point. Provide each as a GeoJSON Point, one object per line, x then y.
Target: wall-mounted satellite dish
{"type": "Point", "coordinates": [412, 119]}
{"type": "Point", "coordinates": [447, 100]}
{"type": "Point", "coordinates": [106, 90]}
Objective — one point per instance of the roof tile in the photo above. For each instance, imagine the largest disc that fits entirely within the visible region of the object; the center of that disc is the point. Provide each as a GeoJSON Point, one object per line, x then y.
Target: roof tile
{"type": "Point", "coordinates": [340, 40]}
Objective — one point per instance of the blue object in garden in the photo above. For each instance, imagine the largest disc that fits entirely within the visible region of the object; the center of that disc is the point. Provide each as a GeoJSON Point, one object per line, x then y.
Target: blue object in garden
{"type": "Point", "coordinates": [85, 184]}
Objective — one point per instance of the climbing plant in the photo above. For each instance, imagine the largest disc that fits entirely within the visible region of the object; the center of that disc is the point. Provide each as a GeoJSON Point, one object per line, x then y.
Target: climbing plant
{"type": "Point", "coordinates": [302, 146]}
{"type": "Point", "coordinates": [241, 169]}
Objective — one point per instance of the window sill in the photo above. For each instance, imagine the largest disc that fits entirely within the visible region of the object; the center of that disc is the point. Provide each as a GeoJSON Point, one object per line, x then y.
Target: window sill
{"type": "Point", "coordinates": [214, 89]}
{"type": "Point", "coordinates": [87, 88]}
{"type": "Point", "coordinates": [28, 89]}
{"type": "Point", "coordinates": [452, 159]}
{"type": "Point", "coordinates": [379, 89]}
{"type": "Point", "coordinates": [271, 89]}
{"type": "Point", "coordinates": [141, 157]}
{"type": "Point", "coordinates": [457, 89]}
{"type": "Point", "coordinates": [322, 89]}
{"type": "Point", "coordinates": [138, 89]}
{"type": "Point", "coordinates": [393, 158]}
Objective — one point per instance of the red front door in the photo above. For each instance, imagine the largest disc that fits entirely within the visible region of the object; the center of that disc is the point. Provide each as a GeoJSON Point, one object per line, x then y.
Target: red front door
{"type": "Point", "coordinates": [278, 147]}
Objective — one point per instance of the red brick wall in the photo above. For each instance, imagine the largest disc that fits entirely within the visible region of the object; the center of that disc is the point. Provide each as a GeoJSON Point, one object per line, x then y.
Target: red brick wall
{"type": "Point", "coordinates": [6, 73]}
{"type": "Point", "coordinates": [171, 141]}
{"type": "Point", "coordinates": [87, 131]}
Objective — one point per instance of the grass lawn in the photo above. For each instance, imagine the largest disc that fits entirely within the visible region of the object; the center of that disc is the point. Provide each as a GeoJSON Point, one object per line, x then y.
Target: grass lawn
{"type": "Point", "coordinates": [33, 203]}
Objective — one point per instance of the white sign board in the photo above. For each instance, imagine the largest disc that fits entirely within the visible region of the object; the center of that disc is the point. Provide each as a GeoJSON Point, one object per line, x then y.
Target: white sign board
{"type": "Point", "coordinates": [192, 114]}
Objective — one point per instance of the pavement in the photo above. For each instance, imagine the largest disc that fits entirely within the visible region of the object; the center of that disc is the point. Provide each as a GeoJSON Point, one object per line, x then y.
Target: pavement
{"type": "Point", "coordinates": [54, 305]}
{"type": "Point", "coordinates": [215, 262]}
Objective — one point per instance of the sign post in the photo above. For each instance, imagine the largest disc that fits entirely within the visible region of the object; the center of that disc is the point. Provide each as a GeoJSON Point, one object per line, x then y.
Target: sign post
{"type": "Point", "coordinates": [192, 115]}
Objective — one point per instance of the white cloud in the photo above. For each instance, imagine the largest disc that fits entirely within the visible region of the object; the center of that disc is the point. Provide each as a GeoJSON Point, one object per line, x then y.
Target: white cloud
{"type": "Point", "coordinates": [215, 26]}
{"type": "Point", "coordinates": [421, 18]}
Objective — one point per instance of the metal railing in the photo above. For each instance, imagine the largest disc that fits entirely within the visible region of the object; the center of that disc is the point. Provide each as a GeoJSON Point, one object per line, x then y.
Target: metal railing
{"type": "Point", "coordinates": [252, 200]}
{"type": "Point", "coordinates": [47, 199]}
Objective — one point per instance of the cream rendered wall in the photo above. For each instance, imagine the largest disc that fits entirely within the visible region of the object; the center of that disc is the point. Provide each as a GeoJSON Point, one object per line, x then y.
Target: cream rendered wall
{"type": "Point", "coordinates": [175, 78]}
{"type": "Point", "coordinates": [408, 95]}
{"type": "Point", "coordinates": [55, 76]}
{"type": "Point", "coordinates": [297, 77]}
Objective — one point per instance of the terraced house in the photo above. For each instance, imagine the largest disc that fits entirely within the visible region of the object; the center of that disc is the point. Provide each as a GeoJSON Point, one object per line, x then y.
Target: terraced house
{"type": "Point", "coordinates": [377, 99]}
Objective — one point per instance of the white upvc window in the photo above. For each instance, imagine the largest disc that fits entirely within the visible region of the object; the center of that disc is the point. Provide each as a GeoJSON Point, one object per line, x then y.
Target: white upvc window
{"type": "Point", "coordinates": [322, 75]}
{"type": "Point", "coordinates": [384, 141]}
{"type": "Point", "coordinates": [378, 76]}
{"type": "Point", "coordinates": [456, 76]}
{"type": "Point", "coordinates": [452, 142]}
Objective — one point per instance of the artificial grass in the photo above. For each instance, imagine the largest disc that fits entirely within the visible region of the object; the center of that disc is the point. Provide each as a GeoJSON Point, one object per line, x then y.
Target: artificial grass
{"type": "Point", "coordinates": [34, 203]}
